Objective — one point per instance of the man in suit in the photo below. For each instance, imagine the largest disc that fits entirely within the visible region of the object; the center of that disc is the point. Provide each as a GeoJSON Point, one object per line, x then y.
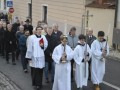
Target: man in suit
{"type": "Point", "coordinates": [57, 33]}
{"type": "Point", "coordinates": [28, 26]}
{"type": "Point", "coordinates": [90, 38]}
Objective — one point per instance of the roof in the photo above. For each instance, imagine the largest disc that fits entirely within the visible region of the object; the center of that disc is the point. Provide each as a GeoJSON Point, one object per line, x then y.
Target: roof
{"type": "Point", "coordinates": [109, 4]}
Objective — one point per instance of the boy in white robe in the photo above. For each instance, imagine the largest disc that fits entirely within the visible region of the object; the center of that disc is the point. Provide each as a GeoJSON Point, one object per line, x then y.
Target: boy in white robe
{"type": "Point", "coordinates": [81, 56]}
{"type": "Point", "coordinates": [100, 50]}
{"type": "Point", "coordinates": [35, 53]}
{"type": "Point", "coordinates": [62, 55]}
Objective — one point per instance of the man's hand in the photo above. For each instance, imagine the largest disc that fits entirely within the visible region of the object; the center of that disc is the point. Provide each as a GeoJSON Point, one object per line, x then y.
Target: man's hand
{"type": "Point", "coordinates": [41, 44]}
{"type": "Point", "coordinates": [104, 52]}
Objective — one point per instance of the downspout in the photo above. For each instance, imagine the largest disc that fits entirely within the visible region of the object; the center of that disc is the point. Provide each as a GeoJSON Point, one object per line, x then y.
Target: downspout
{"type": "Point", "coordinates": [115, 46]}
{"type": "Point", "coordinates": [116, 12]}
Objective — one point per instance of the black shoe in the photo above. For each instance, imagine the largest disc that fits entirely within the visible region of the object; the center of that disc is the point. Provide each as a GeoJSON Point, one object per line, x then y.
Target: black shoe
{"type": "Point", "coordinates": [7, 62]}
{"type": "Point", "coordinates": [38, 88]}
{"type": "Point", "coordinates": [13, 63]}
{"type": "Point", "coordinates": [47, 80]}
{"type": "Point", "coordinates": [25, 70]}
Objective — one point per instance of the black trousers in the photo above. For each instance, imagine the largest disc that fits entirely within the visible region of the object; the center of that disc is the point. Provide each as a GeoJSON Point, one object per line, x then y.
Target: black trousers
{"type": "Point", "coordinates": [13, 56]}
{"type": "Point", "coordinates": [24, 61]}
{"type": "Point", "coordinates": [72, 73]}
{"type": "Point", "coordinates": [17, 52]}
{"type": "Point", "coordinates": [2, 48]}
{"type": "Point", "coordinates": [37, 75]}
{"type": "Point", "coordinates": [89, 68]}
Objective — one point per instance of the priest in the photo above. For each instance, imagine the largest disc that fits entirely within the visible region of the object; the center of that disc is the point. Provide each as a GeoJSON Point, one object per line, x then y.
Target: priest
{"type": "Point", "coordinates": [35, 53]}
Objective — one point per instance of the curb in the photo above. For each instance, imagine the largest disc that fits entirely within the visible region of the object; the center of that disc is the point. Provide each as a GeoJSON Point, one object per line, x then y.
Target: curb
{"type": "Point", "coordinates": [113, 58]}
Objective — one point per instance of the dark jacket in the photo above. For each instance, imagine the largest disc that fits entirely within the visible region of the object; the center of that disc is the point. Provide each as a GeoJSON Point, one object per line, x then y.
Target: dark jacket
{"type": "Point", "coordinates": [10, 41]}
{"type": "Point", "coordinates": [90, 40]}
{"type": "Point", "coordinates": [22, 43]}
{"type": "Point", "coordinates": [15, 27]}
{"type": "Point", "coordinates": [52, 43]}
{"type": "Point", "coordinates": [29, 27]}
{"type": "Point", "coordinates": [18, 34]}
{"type": "Point", "coordinates": [2, 32]}
{"type": "Point", "coordinates": [57, 35]}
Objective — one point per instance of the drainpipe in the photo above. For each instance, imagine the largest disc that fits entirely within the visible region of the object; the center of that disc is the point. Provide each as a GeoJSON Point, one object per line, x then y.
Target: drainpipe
{"type": "Point", "coordinates": [116, 12]}
{"type": "Point", "coordinates": [115, 46]}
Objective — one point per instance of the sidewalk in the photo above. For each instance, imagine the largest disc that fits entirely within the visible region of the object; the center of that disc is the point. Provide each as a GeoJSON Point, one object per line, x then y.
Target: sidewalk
{"type": "Point", "coordinates": [114, 55]}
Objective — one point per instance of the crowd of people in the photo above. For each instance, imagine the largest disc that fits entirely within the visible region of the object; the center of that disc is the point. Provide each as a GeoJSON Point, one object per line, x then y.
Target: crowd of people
{"type": "Point", "coordinates": [45, 49]}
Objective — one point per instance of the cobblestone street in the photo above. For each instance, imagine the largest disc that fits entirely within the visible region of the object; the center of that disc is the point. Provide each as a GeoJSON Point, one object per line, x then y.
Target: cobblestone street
{"type": "Point", "coordinates": [6, 83]}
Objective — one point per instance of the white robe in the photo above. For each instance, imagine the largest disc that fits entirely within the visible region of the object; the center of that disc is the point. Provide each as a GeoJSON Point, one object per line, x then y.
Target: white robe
{"type": "Point", "coordinates": [62, 79]}
{"type": "Point", "coordinates": [35, 52]}
{"type": "Point", "coordinates": [98, 65]}
{"type": "Point", "coordinates": [80, 78]}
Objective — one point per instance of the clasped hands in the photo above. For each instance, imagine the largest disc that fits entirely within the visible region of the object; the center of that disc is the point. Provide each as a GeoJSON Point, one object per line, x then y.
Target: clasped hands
{"type": "Point", "coordinates": [63, 58]}
{"type": "Point", "coordinates": [86, 56]}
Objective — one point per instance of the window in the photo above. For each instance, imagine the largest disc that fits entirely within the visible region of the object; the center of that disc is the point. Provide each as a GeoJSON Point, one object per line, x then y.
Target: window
{"type": "Point", "coordinates": [29, 10]}
{"type": "Point", "coordinates": [44, 17]}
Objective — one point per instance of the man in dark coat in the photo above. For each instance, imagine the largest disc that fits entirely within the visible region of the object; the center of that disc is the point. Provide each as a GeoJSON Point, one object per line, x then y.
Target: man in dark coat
{"type": "Point", "coordinates": [52, 43]}
{"type": "Point", "coordinates": [29, 27]}
{"type": "Point", "coordinates": [10, 43]}
{"type": "Point", "coordinates": [2, 31]}
{"type": "Point", "coordinates": [57, 33]}
{"type": "Point", "coordinates": [90, 39]}
{"type": "Point", "coordinates": [16, 26]}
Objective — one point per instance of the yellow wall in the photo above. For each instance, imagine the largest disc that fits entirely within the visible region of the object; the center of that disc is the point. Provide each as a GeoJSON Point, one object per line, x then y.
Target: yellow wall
{"type": "Point", "coordinates": [21, 9]}
{"type": "Point", "coordinates": [103, 19]}
{"type": "Point", "coordinates": [69, 12]}
{"type": "Point", "coordinates": [60, 11]}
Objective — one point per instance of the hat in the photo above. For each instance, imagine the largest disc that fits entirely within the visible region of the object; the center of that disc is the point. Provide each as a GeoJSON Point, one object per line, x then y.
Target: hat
{"type": "Point", "coordinates": [27, 20]}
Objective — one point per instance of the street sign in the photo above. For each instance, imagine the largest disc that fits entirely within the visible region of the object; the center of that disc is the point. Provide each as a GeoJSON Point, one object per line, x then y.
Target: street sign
{"type": "Point", "coordinates": [9, 3]}
{"type": "Point", "coordinates": [11, 10]}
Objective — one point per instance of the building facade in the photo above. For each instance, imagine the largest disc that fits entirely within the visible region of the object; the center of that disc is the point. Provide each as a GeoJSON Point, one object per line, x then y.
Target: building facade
{"type": "Point", "coordinates": [66, 13]}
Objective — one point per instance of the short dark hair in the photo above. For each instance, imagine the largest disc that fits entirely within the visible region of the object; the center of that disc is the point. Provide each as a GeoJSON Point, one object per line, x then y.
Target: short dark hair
{"type": "Point", "coordinates": [39, 27]}
{"type": "Point", "coordinates": [101, 33]}
{"type": "Point", "coordinates": [62, 37]}
{"type": "Point", "coordinates": [81, 36]}
{"type": "Point", "coordinates": [26, 30]}
{"type": "Point", "coordinates": [73, 29]}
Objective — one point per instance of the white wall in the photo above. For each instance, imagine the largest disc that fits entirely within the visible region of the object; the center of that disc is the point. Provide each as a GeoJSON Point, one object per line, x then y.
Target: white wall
{"type": "Point", "coordinates": [102, 20]}
{"type": "Point", "coordinates": [118, 16]}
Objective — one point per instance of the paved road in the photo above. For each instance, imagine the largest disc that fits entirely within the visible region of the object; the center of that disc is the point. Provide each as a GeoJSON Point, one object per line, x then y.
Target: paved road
{"type": "Point", "coordinates": [16, 74]}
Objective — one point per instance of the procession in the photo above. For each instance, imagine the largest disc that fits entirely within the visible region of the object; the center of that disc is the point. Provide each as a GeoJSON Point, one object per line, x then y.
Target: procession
{"type": "Point", "coordinates": [45, 49]}
{"type": "Point", "coordinates": [60, 54]}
